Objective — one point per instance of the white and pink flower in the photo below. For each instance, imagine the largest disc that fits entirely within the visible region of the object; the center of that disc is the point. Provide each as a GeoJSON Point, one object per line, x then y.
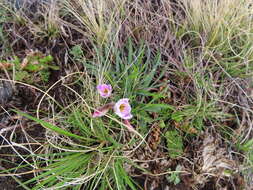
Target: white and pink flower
{"type": "Point", "coordinates": [105, 90]}
{"type": "Point", "coordinates": [123, 109]}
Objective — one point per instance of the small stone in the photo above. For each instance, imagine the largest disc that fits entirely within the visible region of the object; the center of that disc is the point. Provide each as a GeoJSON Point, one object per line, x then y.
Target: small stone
{"type": "Point", "coordinates": [6, 92]}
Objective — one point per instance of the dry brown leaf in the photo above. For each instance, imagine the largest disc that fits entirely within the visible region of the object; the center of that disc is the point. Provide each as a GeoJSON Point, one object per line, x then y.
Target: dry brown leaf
{"type": "Point", "coordinates": [5, 65]}
{"type": "Point", "coordinates": [215, 158]}
{"type": "Point", "coordinates": [154, 137]}
{"type": "Point", "coordinates": [184, 126]}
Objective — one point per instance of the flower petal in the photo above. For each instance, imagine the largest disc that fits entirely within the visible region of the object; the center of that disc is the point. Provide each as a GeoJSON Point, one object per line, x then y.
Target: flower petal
{"type": "Point", "coordinates": [105, 90]}
{"type": "Point", "coordinates": [129, 116]}
{"type": "Point", "coordinates": [123, 109]}
{"type": "Point", "coordinates": [98, 114]}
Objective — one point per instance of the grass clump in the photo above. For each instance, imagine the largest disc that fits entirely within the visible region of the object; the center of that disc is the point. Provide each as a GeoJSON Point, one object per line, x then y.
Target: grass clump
{"type": "Point", "coordinates": [221, 30]}
{"type": "Point", "coordinates": [100, 19]}
{"type": "Point", "coordinates": [92, 152]}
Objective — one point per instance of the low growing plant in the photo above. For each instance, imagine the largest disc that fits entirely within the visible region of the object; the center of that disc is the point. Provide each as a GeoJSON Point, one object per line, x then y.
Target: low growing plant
{"type": "Point", "coordinates": [88, 151]}
{"type": "Point", "coordinates": [34, 68]}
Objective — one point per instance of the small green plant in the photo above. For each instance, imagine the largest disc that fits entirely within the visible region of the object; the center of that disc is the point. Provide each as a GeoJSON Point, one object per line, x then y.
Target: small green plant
{"type": "Point", "coordinates": [77, 53]}
{"type": "Point", "coordinates": [91, 157]}
{"type": "Point", "coordinates": [174, 143]}
{"type": "Point", "coordinates": [34, 68]}
{"type": "Point", "coordinates": [197, 113]}
{"type": "Point", "coordinates": [247, 147]}
{"type": "Point", "coordinates": [89, 151]}
{"type": "Point", "coordinates": [174, 176]}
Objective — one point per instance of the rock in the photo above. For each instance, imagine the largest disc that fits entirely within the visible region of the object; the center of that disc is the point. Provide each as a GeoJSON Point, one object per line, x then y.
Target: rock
{"type": "Point", "coordinates": [6, 92]}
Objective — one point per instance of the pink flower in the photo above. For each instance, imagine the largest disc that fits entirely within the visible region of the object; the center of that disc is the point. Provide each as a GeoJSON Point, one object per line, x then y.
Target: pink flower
{"type": "Point", "coordinates": [105, 90]}
{"type": "Point", "coordinates": [123, 109]}
{"type": "Point", "coordinates": [101, 111]}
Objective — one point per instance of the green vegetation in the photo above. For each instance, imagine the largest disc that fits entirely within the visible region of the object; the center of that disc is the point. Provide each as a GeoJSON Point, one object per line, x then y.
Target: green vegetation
{"type": "Point", "coordinates": [186, 68]}
{"type": "Point", "coordinates": [33, 69]}
{"type": "Point", "coordinates": [174, 143]}
{"type": "Point", "coordinates": [174, 176]}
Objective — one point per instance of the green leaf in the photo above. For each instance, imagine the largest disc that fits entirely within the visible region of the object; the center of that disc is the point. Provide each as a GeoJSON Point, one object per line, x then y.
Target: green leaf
{"type": "Point", "coordinates": [46, 60]}
{"type": "Point", "coordinates": [155, 95]}
{"type": "Point", "coordinates": [16, 63]}
{"type": "Point", "coordinates": [77, 52]}
{"type": "Point", "coordinates": [248, 144]}
{"type": "Point", "coordinates": [177, 180]}
{"type": "Point", "coordinates": [50, 126]}
{"type": "Point", "coordinates": [177, 116]}
{"type": "Point", "coordinates": [157, 107]}
{"type": "Point", "coordinates": [21, 75]}
{"type": "Point", "coordinates": [121, 176]}
{"type": "Point", "coordinates": [174, 143]}
{"type": "Point", "coordinates": [33, 67]}
{"type": "Point", "coordinates": [53, 67]}
{"type": "Point", "coordinates": [44, 75]}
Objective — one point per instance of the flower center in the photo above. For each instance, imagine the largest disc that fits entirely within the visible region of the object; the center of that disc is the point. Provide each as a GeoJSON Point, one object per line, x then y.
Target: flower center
{"type": "Point", "coordinates": [105, 90]}
{"type": "Point", "coordinates": [122, 107]}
